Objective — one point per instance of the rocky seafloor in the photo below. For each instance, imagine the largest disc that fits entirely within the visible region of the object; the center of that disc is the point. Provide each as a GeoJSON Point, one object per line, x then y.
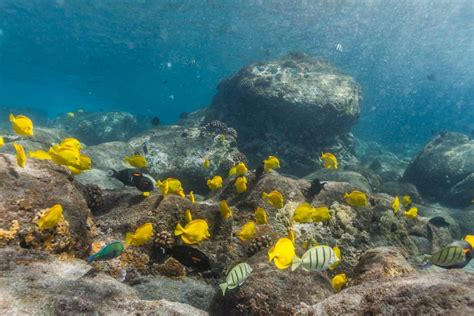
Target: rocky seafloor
{"type": "Point", "coordinates": [46, 272]}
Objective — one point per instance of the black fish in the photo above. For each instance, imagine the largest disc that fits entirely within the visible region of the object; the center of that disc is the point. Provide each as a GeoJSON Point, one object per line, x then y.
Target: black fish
{"type": "Point", "coordinates": [191, 257]}
{"type": "Point", "coordinates": [135, 178]}
{"type": "Point", "coordinates": [155, 121]}
{"type": "Point", "coordinates": [438, 221]}
{"type": "Point", "coordinates": [188, 256]}
{"type": "Point", "coordinates": [316, 187]}
{"type": "Point", "coordinates": [259, 172]}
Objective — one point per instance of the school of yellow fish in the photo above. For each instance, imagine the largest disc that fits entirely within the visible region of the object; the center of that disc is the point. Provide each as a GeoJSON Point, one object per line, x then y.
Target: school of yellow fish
{"type": "Point", "coordinates": [194, 231]}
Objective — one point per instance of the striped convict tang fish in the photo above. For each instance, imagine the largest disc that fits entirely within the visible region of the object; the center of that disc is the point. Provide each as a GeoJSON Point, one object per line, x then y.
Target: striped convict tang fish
{"type": "Point", "coordinates": [236, 277]}
{"type": "Point", "coordinates": [448, 256]}
{"type": "Point", "coordinates": [316, 259]}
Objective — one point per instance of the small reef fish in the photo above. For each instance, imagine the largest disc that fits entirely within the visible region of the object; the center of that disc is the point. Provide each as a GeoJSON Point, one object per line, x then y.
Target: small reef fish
{"type": "Point", "coordinates": [275, 198]}
{"type": "Point", "coordinates": [155, 121]}
{"type": "Point", "coordinates": [22, 125]}
{"type": "Point", "coordinates": [406, 200]}
{"type": "Point", "coordinates": [451, 256]}
{"type": "Point", "coordinates": [188, 256]}
{"type": "Point", "coordinates": [438, 221]}
{"type": "Point", "coordinates": [215, 183]}
{"type": "Point", "coordinates": [194, 232]}
{"type": "Point", "coordinates": [71, 143]}
{"type": "Point", "coordinates": [271, 163]}
{"type": "Point", "coordinates": [65, 155]}
{"type": "Point", "coordinates": [337, 251]}
{"type": "Point", "coordinates": [470, 240]}
{"type": "Point", "coordinates": [225, 210]}
{"type": "Point", "coordinates": [134, 177]}
{"type": "Point", "coordinates": [241, 184]}
{"type": "Point", "coordinates": [316, 259]}
{"type": "Point", "coordinates": [338, 281]}
{"type": "Point", "coordinates": [109, 252]}
{"type": "Point", "coordinates": [261, 216]}
{"type": "Point", "coordinates": [356, 198]}
{"type": "Point", "coordinates": [70, 114]}
{"type": "Point", "coordinates": [232, 171]}
{"type": "Point", "coordinates": [141, 236]}
{"type": "Point", "coordinates": [85, 162]}
{"type": "Point", "coordinates": [291, 235]}
{"type": "Point", "coordinates": [191, 197]}
{"type": "Point", "coordinates": [171, 186]}
{"type": "Point", "coordinates": [51, 217]}
{"type": "Point", "coordinates": [411, 213]}
{"type": "Point", "coordinates": [236, 277]}
{"type": "Point", "coordinates": [20, 155]}
{"type": "Point", "coordinates": [206, 164]}
{"type": "Point", "coordinates": [247, 231]}
{"type": "Point", "coordinates": [282, 253]}
{"type": "Point", "coordinates": [396, 205]}
{"type": "Point", "coordinates": [316, 187]}
{"type": "Point", "coordinates": [137, 161]}
{"type": "Point", "coordinates": [305, 213]}
{"type": "Point", "coordinates": [39, 154]}
{"type": "Point", "coordinates": [2, 142]}
{"type": "Point", "coordinates": [241, 169]}
{"type": "Point", "coordinates": [329, 161]}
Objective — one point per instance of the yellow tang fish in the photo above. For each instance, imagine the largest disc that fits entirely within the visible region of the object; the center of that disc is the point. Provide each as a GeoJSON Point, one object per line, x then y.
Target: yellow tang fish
{"type": "Point", "coordinates": [171, 186]}
{"type": "Point", "coordinates": [271, 163]}
{"type": "Point", "coordinates": [411, 213]}
{"type": "Point", "coordinates": [241, 169]}
{"type": "Point", "coordinates": [215, 183]}
{"type": "Point", "coordinates": [275, 198]}
{"type": "Point", "coordinates": [225, 210]}
{"type": "Point", "coordinates": [329, 161]}
{"type": "Point", "coordinates": [232, 171]}
{"type": "Point", "coordinates": [20, 155]}
{"type": "Point", "coordinates": [206, 164]}
{"type": "Point", "coordinates": [188, 217]}
{"type": "Point", "coordinates": [247, 231]}
{"type": "Point", "coordinates": [70, 114]}
{"type": "Point", "coordinates": [137, 161]}
{"type": "Point", "coordinates": [22, 125]}
{"type": "Point", "coordinates": [75, 171]}
{"type": "Point", "coordinates": [39, 154]}
{"type": "Point", "coordinates": [321, 214]}
{"type": "Point", "coordinates": [261, 216]}
{"type": "Point", "coordinates": [396, 205]}
{"type": "Point", "coordinates": [85, 162]}
{"type": "Point", "coordinates": [470, 240]}
{"type": "Point", "coordinates": [337, 251]}
{"type": "Point", "coordinates": [356, 198]}
{"type": "Point", "coordinates": [141, 236]}
{"type": "Point", "coordinates": [51, 217]}
{"type": "Point", "coordinates": [303, 213]}
{"type": "Point", "coordinates": [66, 156]}
{"type": "Point", "coordinates": [146, 194]}
{"type": "Point", "coordinates": [241, 184]}
{"type": "Point", "coordinates": [338, 281]}
{"type": "Point", "coordinates": [282, 253]}
{"type": "Point", "coordinates": [191, 197]}
{"type": "Point", "coordinates": [406, 200]}
{"type": "Point", "coordinates": [2, 142]}
{"type": "Point", "coordinates": [194, 232]}
{"type": "Point", "coordinates": [71, 143]}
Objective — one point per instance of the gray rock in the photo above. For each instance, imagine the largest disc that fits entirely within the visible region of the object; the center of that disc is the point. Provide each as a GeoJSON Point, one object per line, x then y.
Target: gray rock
{"type": "Point", "coordinates": [109, 155]}
{"type": "Point", "coordinates": [396, 188]}
{"type": "Point", "coordinates": [186, 290]}
{"type": "Point", "coordinates": [446, 162]}
{"type": "Point", "coordinates": [100, 127]}
{"type": "Point", "coordinates": [293, 107]}
{"type": "Point", "coordinates": [99, 177]}
{"type": "Point", "coordinates": [60, 287]}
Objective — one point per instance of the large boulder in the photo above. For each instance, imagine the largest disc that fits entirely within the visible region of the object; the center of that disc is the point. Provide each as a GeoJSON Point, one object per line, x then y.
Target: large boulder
{"type": "Point", "coordinates": [444, 169]}
{"type": "Point", "coordinates": [293, 107]}
{"type": "Point", "coordinates": [26, 192]}
{"type": "Point", "coordinates": [65, 288]}
{"type": "Point", "coordinates": [176, 152]}
{"type": "Point", "coordinates": [99, 127]}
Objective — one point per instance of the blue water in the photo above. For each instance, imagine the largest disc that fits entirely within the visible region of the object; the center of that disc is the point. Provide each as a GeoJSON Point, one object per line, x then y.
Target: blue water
{"type": "Point", "coordinates": [413, 59]}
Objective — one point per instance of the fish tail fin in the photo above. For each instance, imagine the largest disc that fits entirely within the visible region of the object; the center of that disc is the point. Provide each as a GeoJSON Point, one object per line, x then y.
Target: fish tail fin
{"type": "Point", "coordinates": [12, 117]}
{"type": "Point", "coordinates": [223, 287]}
{"type": "Point", "coordinates": [264, 195]}
{"type": "Point", "coordinates": [179, 230]}
{"type": "Point", "coordinates": [295, 263]}
{"type": "Point", "coordinates": [90, 258]}
{"type": "Point", "coordinates": [128, 239]}
{"type": "Point", "coordinates": [426, 258]}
